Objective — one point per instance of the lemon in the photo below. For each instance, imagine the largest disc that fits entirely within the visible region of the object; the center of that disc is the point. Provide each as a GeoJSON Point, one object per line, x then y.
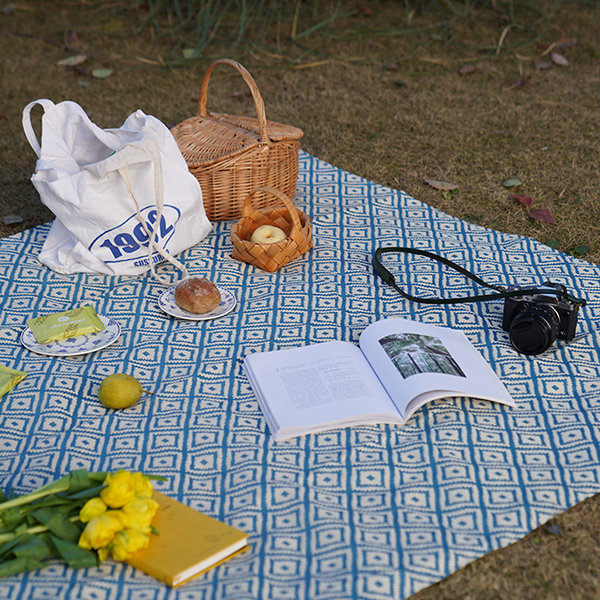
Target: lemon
{"type": "Point", "coordinates": [120, 391]}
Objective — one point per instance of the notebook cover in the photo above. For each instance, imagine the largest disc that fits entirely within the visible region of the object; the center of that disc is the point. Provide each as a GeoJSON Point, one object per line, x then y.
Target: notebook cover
{"type": "Point", "coordinates": [187, 539]}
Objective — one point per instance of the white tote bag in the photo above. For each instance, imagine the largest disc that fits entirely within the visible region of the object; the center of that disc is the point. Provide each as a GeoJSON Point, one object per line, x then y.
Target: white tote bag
{"type": "Point", "coordinates": [124, 198]}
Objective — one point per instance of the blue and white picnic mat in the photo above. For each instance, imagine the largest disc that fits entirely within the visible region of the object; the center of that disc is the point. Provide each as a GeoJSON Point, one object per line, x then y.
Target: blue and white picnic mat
{"type": "Point", "coordinates": [374, 512]}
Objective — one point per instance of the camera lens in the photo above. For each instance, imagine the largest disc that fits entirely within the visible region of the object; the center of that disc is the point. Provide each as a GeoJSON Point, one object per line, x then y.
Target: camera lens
{"type": "Point", "coordinates": [534, 330]}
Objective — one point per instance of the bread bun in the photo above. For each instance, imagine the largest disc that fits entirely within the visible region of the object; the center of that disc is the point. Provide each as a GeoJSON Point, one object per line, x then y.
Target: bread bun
{"type": "Point", "coordinates": [197, 295]}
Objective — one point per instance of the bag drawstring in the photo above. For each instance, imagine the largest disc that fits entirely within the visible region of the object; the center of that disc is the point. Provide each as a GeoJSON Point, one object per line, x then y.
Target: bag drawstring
{"type": "Point", "coordinates": [158, 193]}
{"type": "Point", "coordinates": [152, 245]}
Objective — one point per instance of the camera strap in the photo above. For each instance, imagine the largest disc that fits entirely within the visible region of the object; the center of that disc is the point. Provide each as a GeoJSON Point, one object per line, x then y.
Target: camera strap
{"type": "Point", "coordinates": [500, 291]}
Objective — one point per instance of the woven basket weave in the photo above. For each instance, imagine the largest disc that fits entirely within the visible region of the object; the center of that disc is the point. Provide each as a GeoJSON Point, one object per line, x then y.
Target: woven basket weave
{"type": "Point", "coordinates": [232, 156]}
{"type": "Point", "coordinates": [270, 257]}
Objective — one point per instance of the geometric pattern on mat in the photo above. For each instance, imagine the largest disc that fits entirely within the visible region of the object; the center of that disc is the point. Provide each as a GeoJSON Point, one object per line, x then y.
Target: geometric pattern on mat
{"type": "Point", "coordinates": [374, 512]}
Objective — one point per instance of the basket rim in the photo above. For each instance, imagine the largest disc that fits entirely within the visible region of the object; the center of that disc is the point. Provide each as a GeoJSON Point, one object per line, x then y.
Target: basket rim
{"type": "Point", "coordinates": [253, 143]}
{"type": "Point", "coordinates": [305, 229]}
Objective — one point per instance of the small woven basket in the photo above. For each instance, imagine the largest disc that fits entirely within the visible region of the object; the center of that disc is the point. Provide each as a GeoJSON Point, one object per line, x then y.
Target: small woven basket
{"type": "Point", "coordinates": [233, 155]}
{"type": "Point", "coordinates": [270, 257]}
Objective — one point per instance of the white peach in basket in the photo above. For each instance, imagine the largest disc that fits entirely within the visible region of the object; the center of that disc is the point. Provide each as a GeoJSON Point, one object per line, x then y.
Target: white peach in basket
{"type": "Point", "coordinates": [268, 234]}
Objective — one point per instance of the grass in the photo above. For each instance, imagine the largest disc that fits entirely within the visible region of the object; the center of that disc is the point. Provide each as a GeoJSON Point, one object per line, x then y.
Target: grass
{"type": "Point", "coordinates": [397, 92]}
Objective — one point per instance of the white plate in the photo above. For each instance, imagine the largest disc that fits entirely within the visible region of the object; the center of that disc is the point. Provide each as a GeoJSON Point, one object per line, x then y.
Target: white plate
{"type": "Point", "coordinates": [82, 344]}
{"type": "Point", "coordinates": [166, 301]}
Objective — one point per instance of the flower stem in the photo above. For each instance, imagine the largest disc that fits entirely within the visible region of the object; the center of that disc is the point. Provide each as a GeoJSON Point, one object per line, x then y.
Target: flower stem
{"type": "Point", "coordinates": [60, 485]}
{"type": "Point", "coordinates": [33, 530]}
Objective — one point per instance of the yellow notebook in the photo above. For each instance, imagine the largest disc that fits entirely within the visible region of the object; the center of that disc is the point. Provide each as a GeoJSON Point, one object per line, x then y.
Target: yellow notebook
{"type": "Point", "coordinates": [188, 543]}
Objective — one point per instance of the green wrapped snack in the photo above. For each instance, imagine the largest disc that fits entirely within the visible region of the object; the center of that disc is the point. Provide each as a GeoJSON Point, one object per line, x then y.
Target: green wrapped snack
{"type": "Point", "coordinates": [67, 324]}
{"type": "Point", "coordinates": [9, 378]}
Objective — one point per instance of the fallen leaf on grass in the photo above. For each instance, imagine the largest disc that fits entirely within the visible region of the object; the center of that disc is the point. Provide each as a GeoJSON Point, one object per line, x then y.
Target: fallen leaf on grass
{"type": "Point", "coordinates": [241, 93]}
{"type": "Point", "coordinates": [579, 250]}
{"type": "Point", "coordinates": [555, 244]}
{"type": "Point", "coordinates": [434, 60]}
{"type": "Point", "coordinates": [553, 528]}
{"type": "Point", "coordinates": [150, 61]}
{"type": "Point", "coordinates": [519, 83]}
{"type": "Point", "coordinates": [511, 182]}
{"type": "Point", "coordinates": [102, 73]}
{"type": "Point", "coordinates": [559, 59]}
{"type": "Point", "coordinates": [71, 38]}
{"type": "Point", "coordinates": [467, 69]}
{"type": "Point", "coordinates": [72, 61]}
{"type": "Point", "coordinates": [12, 219]}
{"type": "Point", "coordinates": [542, 214]}
{"type": "Point", "coordinates": [565, 43]}
{"type": "Point", "coordinates": [190, 53]}
{"type": "Point", "coordinates": [441, 185]}
{"type": "Point", "coordinates": [523, 199]}
{"type": "Point", "coordinates": [310, 65]}
{"type": "Point", "coordinates": [542, 64]}
{"type": "Point", "coordinates": [113, 26]}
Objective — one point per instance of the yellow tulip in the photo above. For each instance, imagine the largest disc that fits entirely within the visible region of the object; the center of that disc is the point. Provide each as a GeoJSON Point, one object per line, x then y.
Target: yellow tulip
{"type": "Point", "coordinates": [92, 508]}
{"type": "Point", "coordinates": [142, 485]}
{"type": "Point", "coordinates": [100, 530]}
{"type": "Point", "coordinates": [103, 553]}
{"type": "Point", "coordinates": [120, 489]}
{"type": "Point", "coordinates": [138, 514]}
{"type": "Point", "coordinates": [127, 542]}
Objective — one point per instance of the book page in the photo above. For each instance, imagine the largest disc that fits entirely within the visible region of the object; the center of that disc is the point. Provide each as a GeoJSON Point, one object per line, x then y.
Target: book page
{"type": "Point", "coordinates": [313, 387]}
{"type": "Point", "coordinates": [417, 363]}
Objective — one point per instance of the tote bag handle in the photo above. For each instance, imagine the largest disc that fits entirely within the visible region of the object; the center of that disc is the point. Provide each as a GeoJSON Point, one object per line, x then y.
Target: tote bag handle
{"type": "Point", "coordinates": [152, 150]}
{"type": "Point", "coordinates": [28, 127]}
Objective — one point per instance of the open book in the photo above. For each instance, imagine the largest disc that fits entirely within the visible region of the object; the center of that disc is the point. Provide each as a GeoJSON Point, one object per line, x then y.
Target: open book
{"type": "Point", "coordinates": [398, 366]}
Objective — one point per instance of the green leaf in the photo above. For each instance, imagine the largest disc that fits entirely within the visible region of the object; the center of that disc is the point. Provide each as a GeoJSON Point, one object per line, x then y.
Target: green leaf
{"type": "Point", "coordinates": [553, 243]}
{"type": "Point", "coordinates": [449, 194]}
{"type": "Point", "coordinates": [579, 250]}
{"type": "Point", "coordinates": [80, 479]}
{"type": "Point", "coordinates": [7, 547]}
{"type": "Point", "coordinates": [75, 556]}
{"type": "Point", "coordinates": [85, 494]}
{"type": "Point", "coordinates": [19, 565]}
{"type": "Point", "coordinates": [102, 73]}
{"type": "Point", "coordinates": [511, 182]}
{"type": "Point", "coordinates": [37, 547]}
{"type": "Point", "coordinates": [12, 518]}
{"type": "Point", "coordinates": [57, 524]}
{"type": "Point", "coordinates": [191, 53]}
{"type": "Point", "coordinates": [73, 482]}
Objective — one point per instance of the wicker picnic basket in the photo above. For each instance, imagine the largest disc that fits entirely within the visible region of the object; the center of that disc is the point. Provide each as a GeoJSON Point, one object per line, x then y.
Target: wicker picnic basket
{"type": "Point", "coordinates": [232, 156]}
{"type": "Point", "coordinates": [270, 257]}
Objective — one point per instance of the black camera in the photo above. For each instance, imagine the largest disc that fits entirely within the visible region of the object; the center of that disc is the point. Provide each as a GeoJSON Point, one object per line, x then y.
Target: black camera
{"type": "Point", "coordinates": [535, 321]}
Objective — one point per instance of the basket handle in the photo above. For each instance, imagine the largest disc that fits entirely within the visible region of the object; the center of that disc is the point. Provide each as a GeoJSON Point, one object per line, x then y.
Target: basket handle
{"type": "Point", "coordinates": [247, 209]}
{"type": "Point", "coordinates": [258, 101]}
